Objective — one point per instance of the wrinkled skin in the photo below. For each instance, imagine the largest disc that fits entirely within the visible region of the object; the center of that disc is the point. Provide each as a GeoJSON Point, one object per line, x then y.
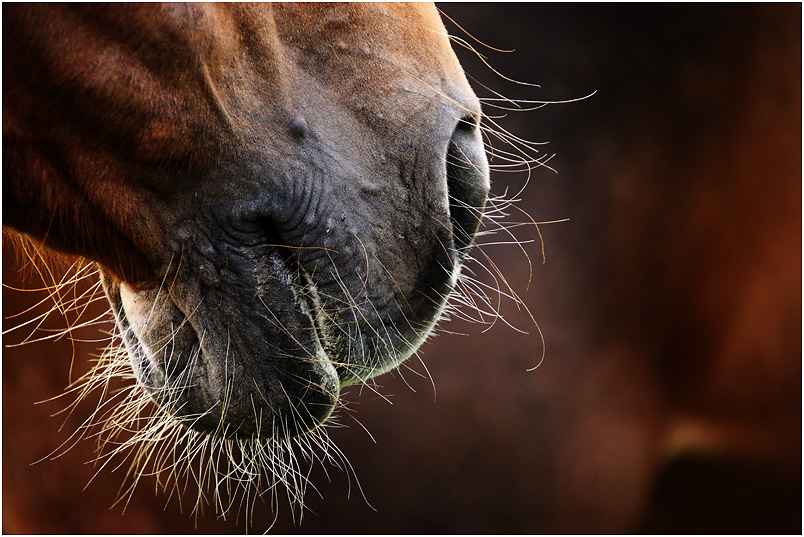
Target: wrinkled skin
{"type": "Point", "coordinates": [279, 196]}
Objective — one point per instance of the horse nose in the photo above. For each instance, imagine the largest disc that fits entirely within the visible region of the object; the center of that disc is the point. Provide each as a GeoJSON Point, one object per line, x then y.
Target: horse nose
{"type": "Point", "coordinates": [467, 181]}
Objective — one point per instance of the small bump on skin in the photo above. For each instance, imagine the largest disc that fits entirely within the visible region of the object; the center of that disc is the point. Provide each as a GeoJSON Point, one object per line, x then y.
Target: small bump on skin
{"type": "Point", "coordinates": [298, 127]}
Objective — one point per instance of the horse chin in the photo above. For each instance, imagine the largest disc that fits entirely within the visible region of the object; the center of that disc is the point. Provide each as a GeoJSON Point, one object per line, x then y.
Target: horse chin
{"type": "Point", "coordinates": [227, 380]}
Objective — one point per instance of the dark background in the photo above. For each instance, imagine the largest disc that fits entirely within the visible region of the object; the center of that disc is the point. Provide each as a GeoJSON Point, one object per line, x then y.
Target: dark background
{"type": "Point", "coordinates": [669, 399]}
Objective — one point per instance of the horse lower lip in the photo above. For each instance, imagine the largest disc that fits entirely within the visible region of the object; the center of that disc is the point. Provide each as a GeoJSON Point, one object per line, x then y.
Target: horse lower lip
{"type": "Point", "coordinates": [245, 393]}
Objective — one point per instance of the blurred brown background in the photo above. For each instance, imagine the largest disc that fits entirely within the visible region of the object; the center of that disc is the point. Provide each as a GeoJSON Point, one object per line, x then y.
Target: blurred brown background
{"type": "Point", "coordinates": [670, 396]}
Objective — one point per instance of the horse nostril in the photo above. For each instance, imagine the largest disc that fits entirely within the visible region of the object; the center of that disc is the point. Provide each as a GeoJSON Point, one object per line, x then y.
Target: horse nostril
{"type": "Point", "coordinates": [467, 181]}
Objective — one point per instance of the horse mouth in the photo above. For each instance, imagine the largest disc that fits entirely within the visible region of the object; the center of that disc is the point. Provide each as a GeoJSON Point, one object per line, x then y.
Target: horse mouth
{"type": "Point", "coordinates": [248, 371]}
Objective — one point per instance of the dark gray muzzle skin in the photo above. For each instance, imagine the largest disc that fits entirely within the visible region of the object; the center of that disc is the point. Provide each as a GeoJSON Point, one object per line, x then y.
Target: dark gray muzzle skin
{"type": "Point", "coordinates": [275, 299]}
